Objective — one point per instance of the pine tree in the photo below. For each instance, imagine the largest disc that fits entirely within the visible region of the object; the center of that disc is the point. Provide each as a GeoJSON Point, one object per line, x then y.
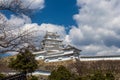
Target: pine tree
{"type": "Point", "coordinates": [24, 62]}
{"type": "Point", "coordinates": [60, 74]}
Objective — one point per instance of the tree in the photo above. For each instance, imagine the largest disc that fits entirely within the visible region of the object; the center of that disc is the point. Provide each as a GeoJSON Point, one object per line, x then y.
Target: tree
{"type": "Point", "coordinates": [33, 78]}
{"type": "Point", "coordinates": [109, 76]}
{"type": "Point", "coordinates": [19, 6]}
{"type": "Point", "coordinates": [101, 76]}
{"type": "Point", "coordinates": [2, 76]}
{"type": "Point", "coordinates": [60, 74]}
{"type": "Point", "coordinates": [98, 76]}
{"type": "Point", "coordinates": [14, 38]}
{"type": "Point", "coordinates": [24, 62]}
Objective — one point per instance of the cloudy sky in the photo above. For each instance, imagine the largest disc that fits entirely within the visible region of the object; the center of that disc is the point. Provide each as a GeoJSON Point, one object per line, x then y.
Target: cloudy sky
{"type": "Point", "coordinates": [90, 25]}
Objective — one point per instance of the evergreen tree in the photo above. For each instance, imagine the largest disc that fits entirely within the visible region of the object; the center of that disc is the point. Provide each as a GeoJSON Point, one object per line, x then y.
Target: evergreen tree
{"type": "Point", "coordinates": [24, 62]}
{"type": "Point", "coordinates": [101, 76]}
{"type": "Point", "coordinates": [1, 76]}
{"type": "Point", "coordinates": [98, 76]}
{"type": "Point", "coordinates": [109, 76]}
{"type": "Point", "coordinates": [60, 74]}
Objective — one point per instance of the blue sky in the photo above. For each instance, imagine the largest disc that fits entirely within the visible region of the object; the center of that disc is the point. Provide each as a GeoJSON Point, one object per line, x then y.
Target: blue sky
{"type": "Point", "coordinates": [59, 12]}
{"type": "Point", "coordinates": [91, 25]}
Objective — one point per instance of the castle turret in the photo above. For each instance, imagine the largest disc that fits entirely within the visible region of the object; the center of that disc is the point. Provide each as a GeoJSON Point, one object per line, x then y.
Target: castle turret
{"type": "Point", "coordinates": [52, 42]}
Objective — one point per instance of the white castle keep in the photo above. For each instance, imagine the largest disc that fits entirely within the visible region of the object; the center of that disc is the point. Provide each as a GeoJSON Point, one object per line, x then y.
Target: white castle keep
{"type": "Point", "coordinates": [53, 49]}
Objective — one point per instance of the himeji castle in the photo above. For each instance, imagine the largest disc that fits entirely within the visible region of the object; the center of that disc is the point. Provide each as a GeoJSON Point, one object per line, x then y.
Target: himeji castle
{"type": "Point", "coordinates": [53, 49]}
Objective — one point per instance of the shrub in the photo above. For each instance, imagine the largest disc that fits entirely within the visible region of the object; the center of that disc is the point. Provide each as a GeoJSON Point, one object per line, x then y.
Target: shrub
{"type": "Point", "coordinates": [33, 78]}
{"type": "Point", "coordinates": [2, 76]}
{"type": "Point", "coordinates": [60, 74]}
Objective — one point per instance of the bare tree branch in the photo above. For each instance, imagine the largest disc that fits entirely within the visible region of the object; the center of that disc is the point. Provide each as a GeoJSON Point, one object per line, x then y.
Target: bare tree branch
{"type": "Point", "coordinates": [13, 39]}
{"type": "Point", "coordinates": [16, 6]}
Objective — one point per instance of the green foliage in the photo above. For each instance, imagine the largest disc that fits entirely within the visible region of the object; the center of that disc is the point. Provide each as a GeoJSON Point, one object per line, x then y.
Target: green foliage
{"type": "Point", "coordinates": [101, 76]}
{"type": "Point", "coordinates": [63, 74]}
{"type": "Point", "coordinates": [109, 76]}
{"type": "Point", "coordinates": [84, 78]}
{"type": "Point", "coordinates": [98, 76]}
{"type": "Point", "coordinates": [33, 78]}
{"type": "Point", "coordinates": [60, 74]}
{"type": "Point", "coordinates": [2, 76]}
{"type": "Point", "coordinates": [25, 62]}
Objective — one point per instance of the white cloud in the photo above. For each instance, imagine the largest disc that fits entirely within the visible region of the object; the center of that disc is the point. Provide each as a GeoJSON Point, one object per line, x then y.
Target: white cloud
{"type": "Point", "coordinates": [18, 24]}
{"type": "Point", "coordinates": [53, 28]}
{"type": "Point", "coordinates": [22, 5]}
{"type": "Point", "coordinates": [23, 22]}
{"type": "Point", "coordinates": [44, 27]}
{"type": "Point", "coordinates": [18, 21]}
{"type": "Point", "coordinates": [33, 4]}
{"type": "Point", "coordinates": [98, 27]}
{"type": "Point", "coordinates": [98, 30]}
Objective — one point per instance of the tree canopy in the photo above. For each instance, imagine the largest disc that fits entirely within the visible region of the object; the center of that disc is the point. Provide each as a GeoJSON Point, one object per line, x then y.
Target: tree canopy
{"type": "Point", "coordinates": [60, 74]}
{"type": "Point", "coordinates": [101, 76]}
{"type": "Point", "coordinates": [24, 62]}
